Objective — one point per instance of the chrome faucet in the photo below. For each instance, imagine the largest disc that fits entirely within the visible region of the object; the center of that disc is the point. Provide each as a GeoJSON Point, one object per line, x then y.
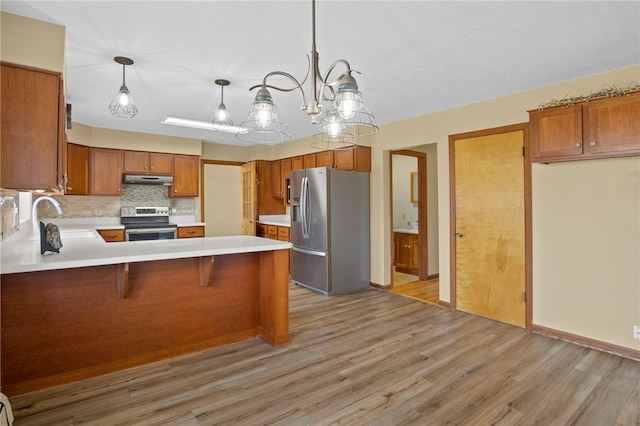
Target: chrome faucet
{"type": "Point", "coordinates": [35, 232]}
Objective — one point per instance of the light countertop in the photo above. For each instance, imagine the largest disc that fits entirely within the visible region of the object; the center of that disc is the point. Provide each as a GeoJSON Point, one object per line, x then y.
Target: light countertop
{"type": "Point", "coordinates": [405, 231]}
{"type": "Point", "coordinates": [276, 219]}
{"type": "Point", "coordinates": [82, 247]}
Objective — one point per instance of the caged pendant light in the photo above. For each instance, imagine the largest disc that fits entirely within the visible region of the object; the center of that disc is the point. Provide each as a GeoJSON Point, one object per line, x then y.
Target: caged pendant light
{"type": "Point", "coordinates": [122, 104]}
{"type": "Point", "coordinates": [222, 116]}
{"type": "Point", "coordinates": [345, 120]}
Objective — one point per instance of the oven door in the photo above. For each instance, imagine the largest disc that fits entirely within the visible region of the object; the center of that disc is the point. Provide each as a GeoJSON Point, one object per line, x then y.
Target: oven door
{"type": "Point", "coordinates": [150, 234]}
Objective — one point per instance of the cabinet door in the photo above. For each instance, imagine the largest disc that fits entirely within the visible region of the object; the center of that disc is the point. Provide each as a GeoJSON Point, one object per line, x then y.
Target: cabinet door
{"type": "Point", "coordinates": [30, 120]}
{"type": "Point", "coordinates": [357, 158]}
{"type": "Point", "coordinates": [324, 159]}
{"type": "Point", "coordinates": [613, 125]}
{"type": "Point", "coordinates": [297, 163]}
{"type": "Point", "coordinates": [136, 162]}
{"type": "Point", "coordinates": [161, 164]}
{"type": "Point", "coordinates": [309, 161]}
{"type": "Point", "coordinates": [106, 170]}
{"type": "Point", "coordinates": [556, 133]}
{"type": "Point", "coordinates": [77, 170]}
{"type": "Point", "coordinates": [413, 256]}
{"type": "Point", "coordinates": [276, 179]}
{"type": "Point", "coordinates": [400, 252]}
{"type": "Point", "coordinates": [185, 176]}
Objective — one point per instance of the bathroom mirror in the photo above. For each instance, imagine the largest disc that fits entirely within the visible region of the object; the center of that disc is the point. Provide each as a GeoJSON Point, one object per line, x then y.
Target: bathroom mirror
{"type": "Point", "coordinates": [414, 186]}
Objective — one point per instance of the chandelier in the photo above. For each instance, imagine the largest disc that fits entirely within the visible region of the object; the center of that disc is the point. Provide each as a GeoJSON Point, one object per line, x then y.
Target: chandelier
{"type": "Point", "coordinates": [345, 119]}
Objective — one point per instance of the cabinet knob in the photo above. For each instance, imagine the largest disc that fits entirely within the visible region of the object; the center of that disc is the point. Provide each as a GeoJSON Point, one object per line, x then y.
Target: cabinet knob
{"type": "Point", "coordinates": [578, 144]}
{"type": "Point", "coordinates": [175, 190]}
{"type": "Point", "coordinates": [69, 188]}
{"type": "Point", "coordinates": [459, 234]}
{"type": "Point", "coordinates": [593, 143]}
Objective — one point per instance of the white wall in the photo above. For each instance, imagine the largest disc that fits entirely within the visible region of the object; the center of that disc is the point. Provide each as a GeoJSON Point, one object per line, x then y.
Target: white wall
{"type": "Point", "coordinates": [586, 248]}
{"type": "Point", "coordinates": [222, 194]}
{"type": "Point", "coordinates": [403, 209]}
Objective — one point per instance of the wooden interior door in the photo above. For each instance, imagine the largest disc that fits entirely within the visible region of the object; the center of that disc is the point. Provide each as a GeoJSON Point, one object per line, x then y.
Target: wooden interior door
{"type": "Point", "coordinates": [489, 224]}
{"type": "Point", "coordinates": [249, 198]}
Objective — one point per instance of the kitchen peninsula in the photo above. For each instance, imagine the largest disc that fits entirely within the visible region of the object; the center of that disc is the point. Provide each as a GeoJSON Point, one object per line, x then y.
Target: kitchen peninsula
{"type": "Point", "coordinates": [100, 307]}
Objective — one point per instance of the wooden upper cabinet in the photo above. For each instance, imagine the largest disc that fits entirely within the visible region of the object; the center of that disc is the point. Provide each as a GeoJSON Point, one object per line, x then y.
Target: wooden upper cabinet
{"type": "Point", "coordinates": [77, 170]}
{"type": "Point", "coordinates": [324, 159]}
{"type": "Point", "coordinates": [185, 176]}
{"type": "Point", "coordinates": [357, 158]}
{"type": "Point", "coordinates": [600, 128]}
{"type": "Point", "coordinates": [276, 179]}
{"type": "Point", "coordinates": [148, 162]}
{"type": "Point", "coordinates": [556, 133]}
{"type": "Point", "coordinates": [309, 161]}
{"type": "Point", "coordinates": [32, 139]}
{"type": "Point", "coordinates": [107, 166]}
{"type": "Point", "coordinates": [613, 125]}
{"type": "Point", "coordinates": [297, 163]}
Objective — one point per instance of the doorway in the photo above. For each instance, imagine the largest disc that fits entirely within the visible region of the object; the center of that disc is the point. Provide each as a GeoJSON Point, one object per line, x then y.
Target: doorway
{"type": "Point", "coordinates": [221, 197]}
{"type": "Point", "coordinates": [413, 192]}
{"type": "Point", "coordinates": [489, 181]}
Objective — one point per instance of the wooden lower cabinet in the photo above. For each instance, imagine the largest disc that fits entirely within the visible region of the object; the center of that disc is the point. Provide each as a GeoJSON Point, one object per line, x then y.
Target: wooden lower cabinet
{"type": "Point", "coordinates": [190, 231]}
{"type": "Point", "coordinates": [406, 253]}
{"type": "Point", "coordinates": [112, 235]}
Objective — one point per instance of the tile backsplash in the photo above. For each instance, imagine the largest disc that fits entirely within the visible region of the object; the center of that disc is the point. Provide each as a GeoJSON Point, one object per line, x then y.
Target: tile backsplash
{"type": "Point", "coordinates": [108, 206]}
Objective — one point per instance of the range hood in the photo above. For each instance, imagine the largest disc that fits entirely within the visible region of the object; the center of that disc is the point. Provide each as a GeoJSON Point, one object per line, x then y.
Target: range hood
{"type": "Point", "coordinates": [147, 179]}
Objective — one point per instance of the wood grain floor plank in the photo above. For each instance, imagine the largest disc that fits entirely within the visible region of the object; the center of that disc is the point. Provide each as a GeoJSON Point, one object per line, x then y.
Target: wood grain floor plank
{"type": "Point", "coordinates": [371, 357]}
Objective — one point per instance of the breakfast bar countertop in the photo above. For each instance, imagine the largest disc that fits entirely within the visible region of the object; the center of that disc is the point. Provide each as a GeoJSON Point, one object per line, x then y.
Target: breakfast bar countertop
{"type": "Point", "coordinates": [82, 247]}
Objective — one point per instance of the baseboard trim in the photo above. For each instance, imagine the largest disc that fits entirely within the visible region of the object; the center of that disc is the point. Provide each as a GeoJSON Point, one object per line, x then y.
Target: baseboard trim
{"type": "Point", "coordinates": [381, 286]}
{"type": "Point", "coordinates": [444, 303]}
{"type": "Point", "coordinates": [433, 277]}
{"type": "Point", "coordinates": [585, 341]}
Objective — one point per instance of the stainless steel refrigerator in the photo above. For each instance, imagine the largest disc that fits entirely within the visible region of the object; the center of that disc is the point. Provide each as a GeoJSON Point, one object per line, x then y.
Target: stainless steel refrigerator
{"type": "Point", "coordinates": [330, 230]}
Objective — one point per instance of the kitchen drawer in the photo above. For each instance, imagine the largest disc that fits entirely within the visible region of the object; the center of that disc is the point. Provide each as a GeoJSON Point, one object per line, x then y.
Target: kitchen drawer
{"type": "Point", "coordinates": [190, 231]}
{"type": "Point", "coordinates": [283, 233]}
{"type": "Point", "coordinates": [261, 230]}
{"type": "Point", "coordinates": [272, 232]}
{"type": "Point", "coordinates": [112, 235]}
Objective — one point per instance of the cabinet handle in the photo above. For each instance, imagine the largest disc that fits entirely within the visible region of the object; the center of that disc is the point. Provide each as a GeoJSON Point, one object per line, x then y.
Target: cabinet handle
{"type": "Point", "coordinates": [459, 234]}
{"type": "Point", "coordinates": [69, 188]}
{"type": "Point", "coordinates": [578, 144]}
{"type": "Point", "coordinates": [151, 167]}
{"type": "Point", "coordinates": [593, 143]}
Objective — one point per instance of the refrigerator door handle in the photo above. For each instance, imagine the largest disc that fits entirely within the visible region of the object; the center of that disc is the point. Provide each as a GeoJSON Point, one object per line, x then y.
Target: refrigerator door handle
{"type": "Point", "coordinates": [311, 252]}
{"type": "Point", "coordinates": [304, 207]}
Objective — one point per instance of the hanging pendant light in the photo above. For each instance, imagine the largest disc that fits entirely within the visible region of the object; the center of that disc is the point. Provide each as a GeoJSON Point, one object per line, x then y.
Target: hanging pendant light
{"type": "Point", "coordinates": [351, 118]}
{"type": "Point", "coordinates": [222, 116]}
{"type": "Point", "coordinates": [122, 104]}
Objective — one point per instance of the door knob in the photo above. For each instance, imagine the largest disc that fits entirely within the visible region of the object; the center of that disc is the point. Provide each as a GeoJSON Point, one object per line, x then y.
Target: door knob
{"type": "Point", "coordinates": [459, 234]}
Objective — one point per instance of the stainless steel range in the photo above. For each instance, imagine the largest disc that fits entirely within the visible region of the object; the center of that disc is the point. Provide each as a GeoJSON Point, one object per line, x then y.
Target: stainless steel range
{"type": "Point", "coordinates": [147, 223]}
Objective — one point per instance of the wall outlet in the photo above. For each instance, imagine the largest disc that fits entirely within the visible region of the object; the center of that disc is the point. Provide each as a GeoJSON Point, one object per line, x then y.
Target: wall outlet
{"type": "Point", "coordinates": [98, 212]}
{"type": "Point", "coordinates": [636, 332]}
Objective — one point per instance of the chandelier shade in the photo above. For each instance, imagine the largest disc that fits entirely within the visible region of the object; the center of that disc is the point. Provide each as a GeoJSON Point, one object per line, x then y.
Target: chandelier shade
{"type": "Point", "coordinates": [263, 125]}
{"type": "Point", "coordinates": [350, 118]}
{"type": "Point", "coordinates": [122, 104]}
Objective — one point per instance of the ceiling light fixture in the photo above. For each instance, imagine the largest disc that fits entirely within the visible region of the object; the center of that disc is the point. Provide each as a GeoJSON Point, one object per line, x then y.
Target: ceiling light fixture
{"type": "Point", "coordinates": [221, 120]}
{"type": "Point", "coordinates": [346, 119]}
{"type": "Point", "coordinates": [122, 104]}
{"type": "Point", "coordinates": [201, 124]}
{"type": "Point", "coordinates": [222, 116]}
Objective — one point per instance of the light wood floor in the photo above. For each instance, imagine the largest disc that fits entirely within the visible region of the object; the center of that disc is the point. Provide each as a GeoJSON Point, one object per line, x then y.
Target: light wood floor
{"type": "Point", "coordinates": [372, 358]}
{"type": "Point", "coordinates": [409, 286]}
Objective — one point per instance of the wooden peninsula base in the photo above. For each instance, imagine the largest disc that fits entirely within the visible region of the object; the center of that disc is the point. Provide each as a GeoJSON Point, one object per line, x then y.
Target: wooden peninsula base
{"type": "Point", "coordinates": [64, 325]}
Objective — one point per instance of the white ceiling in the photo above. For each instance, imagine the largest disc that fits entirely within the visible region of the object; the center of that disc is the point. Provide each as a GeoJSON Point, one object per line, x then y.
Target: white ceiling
{"type": "Point", "coordinates": [415, 57]}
